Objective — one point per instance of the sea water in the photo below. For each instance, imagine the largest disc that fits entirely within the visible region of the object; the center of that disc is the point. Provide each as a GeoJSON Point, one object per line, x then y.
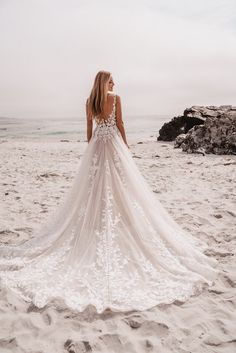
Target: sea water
{"type": "Point", "coordinates": [143, 126]}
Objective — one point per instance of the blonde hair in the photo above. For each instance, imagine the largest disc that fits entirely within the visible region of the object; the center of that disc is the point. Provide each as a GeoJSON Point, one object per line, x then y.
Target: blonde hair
{"type": "Point", "coordinates": [97, 96]}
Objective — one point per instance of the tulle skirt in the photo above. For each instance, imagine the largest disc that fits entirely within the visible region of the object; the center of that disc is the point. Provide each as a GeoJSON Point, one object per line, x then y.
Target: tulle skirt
{"type": "Point", "coordinates": [110, 244]}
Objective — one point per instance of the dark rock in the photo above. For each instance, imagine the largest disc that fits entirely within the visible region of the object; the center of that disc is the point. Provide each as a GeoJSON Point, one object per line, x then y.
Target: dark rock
{"type": "Point", "coordinates": [217, 135]}
{"type": "Point", "coordinates": [180, 125]}
{"type": "Point", "coordinates": [203, 130]}
{"type": "Point", "coordinates": [179, 140]}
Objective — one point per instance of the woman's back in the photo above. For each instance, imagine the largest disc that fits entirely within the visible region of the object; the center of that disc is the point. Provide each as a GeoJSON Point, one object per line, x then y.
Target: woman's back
{"type": "Point", "coordinates": [106, 122]}
{"type": "Point", "coordinates": [108, 108]}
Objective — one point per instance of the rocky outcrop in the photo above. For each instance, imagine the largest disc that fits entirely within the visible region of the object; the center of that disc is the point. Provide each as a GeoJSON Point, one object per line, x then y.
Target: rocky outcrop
{"type": "Point", "coordinates": [196, 115]}
{"type": "Point", "coordinates": [178, 125]}
{"type": "Point", "coordinates": [179, 140]}
{"type": "Point", "coordinates": [216, 133]}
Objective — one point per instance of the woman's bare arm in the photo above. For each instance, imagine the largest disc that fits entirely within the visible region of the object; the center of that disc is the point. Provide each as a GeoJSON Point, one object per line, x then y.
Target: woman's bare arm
{"type": "Point", "coordinates": [119, 119]}
{"type": "Point", "coordinates": [89, 122]}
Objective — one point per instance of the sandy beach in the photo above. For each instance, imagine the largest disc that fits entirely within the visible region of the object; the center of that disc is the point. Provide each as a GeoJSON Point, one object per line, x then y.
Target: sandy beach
{"type": "Point", "coordinates": [199, 191]}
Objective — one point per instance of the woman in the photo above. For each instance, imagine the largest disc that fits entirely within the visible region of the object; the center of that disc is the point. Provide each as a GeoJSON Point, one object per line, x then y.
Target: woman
{"type": "Point", "coordinates": [111, 244]}
{"type": "Point", "coordinates": [96, 108]}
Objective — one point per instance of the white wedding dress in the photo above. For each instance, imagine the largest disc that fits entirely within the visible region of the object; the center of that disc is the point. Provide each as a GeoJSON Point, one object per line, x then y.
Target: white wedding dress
{"type": "Point", "coordinates": [110, 244]}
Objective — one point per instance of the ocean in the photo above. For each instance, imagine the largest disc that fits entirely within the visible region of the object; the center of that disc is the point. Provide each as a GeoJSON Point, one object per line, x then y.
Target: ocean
{"type": "Point", "coordinates": [75, 128]}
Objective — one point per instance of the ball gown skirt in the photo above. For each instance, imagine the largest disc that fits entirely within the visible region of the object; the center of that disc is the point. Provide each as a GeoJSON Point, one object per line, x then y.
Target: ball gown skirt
{"type": "Point", "coordinates": [110, 243]}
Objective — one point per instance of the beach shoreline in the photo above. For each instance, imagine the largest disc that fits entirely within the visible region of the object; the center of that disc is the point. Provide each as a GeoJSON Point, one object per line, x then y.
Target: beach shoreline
{"type": "Point", "coordinates": [198, 191]}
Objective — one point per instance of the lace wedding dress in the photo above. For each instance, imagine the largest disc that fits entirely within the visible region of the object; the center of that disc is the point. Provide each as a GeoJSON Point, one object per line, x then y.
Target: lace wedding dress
{"type": "Point", "coordinates": [111, 243]}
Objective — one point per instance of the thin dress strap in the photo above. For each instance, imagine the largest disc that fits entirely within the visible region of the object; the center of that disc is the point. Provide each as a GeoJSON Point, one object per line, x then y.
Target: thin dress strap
{"type": "Point", "coordinates": [114, 103]}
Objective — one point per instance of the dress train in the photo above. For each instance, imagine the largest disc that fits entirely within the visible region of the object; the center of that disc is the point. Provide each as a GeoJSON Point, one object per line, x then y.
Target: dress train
{"type": "Point", "coordinates": [111, 244]}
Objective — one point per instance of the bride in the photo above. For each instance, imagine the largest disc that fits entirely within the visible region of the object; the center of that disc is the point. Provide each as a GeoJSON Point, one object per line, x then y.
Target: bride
{"type": "Point", "coordinates": [110, 244]}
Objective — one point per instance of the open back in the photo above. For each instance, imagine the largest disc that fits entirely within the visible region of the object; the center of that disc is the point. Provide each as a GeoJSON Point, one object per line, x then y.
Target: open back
{"type": "Point", "coordinates": [101, 119]}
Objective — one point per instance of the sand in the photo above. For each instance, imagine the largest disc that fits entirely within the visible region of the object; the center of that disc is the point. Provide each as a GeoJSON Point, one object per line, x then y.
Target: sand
{"type": "Point", "coordinates": [199, 191]}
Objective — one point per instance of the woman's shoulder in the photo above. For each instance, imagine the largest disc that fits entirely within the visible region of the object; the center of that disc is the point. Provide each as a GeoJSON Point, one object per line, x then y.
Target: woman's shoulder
{"type": "Point", "coordinates": [113, 94]}
{"type": "Point", "coordinates": [116, 96]}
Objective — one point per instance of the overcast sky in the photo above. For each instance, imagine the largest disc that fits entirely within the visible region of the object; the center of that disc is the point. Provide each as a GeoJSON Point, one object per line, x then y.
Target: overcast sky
{"type": "Point", "coordinates": [164, 55]}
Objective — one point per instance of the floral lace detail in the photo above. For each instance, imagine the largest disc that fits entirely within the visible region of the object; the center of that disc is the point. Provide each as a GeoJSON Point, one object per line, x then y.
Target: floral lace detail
{"type": "Point", "coordinates": [118, 164]}
{"type": "Point", "coordinates": [94, 167]}
{"type": "Point", "coordinates": [107, 128]}
{"type": "Point", "coordinates": [92, 172]}
{"type": "Point", "coordinates": [161, 246]}
{"type": "Point", "coordinates": [110, 259]}
{"type": "Point", "coordinates": [111, 245]}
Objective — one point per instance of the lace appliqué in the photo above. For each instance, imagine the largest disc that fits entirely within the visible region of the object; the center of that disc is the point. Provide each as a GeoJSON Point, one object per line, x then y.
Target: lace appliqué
{"type": "Point", "coordinates": [94, 167]}
{"type": "Point", "coordinates": [92, 172]}
{"type": "Point", "coordinates": [120, 168]}
{"type": "Point", "coordinates": [106, 128]}
{"type": "Point", "coordinates": [106, 248]}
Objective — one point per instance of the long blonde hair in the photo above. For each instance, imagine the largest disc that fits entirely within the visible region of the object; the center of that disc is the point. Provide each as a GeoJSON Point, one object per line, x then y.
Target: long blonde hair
{"type": "Point", "coordinates": [97, 96]}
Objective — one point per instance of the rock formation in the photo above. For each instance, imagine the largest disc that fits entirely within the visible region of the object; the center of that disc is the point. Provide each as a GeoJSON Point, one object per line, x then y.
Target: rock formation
{"type": "Point", "coordinates": [213, 130]}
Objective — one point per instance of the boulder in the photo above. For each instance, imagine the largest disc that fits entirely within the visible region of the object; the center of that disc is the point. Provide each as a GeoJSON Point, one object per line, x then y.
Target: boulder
{"type": "Point", "coordinates": [217, 135]}
{"type": "Point", "coordinates": [178, 125]}
{"type": "Point", "coordinates": [196, 115]}
{"type": "Point", "coordinates": [203, 130]}
{"type": "Point", "coordinates": [179, 140]}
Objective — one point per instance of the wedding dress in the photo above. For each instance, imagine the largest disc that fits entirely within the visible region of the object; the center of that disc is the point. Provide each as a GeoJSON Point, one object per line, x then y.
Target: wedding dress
{"type": "Point", "coordinates": [110, 244]}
